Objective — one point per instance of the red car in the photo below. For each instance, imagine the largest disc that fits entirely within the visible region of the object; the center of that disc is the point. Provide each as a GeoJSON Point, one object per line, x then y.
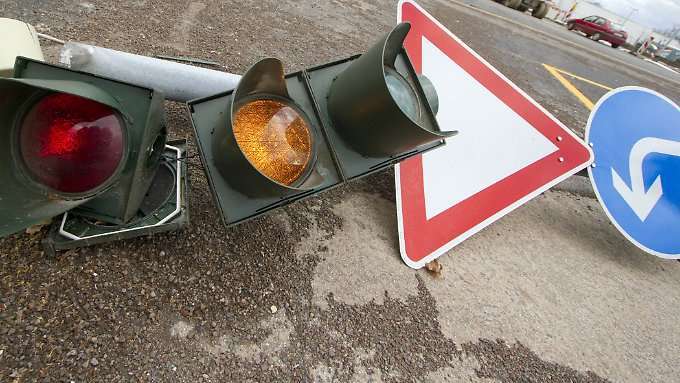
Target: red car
{"type": "Point", "coordinates": [598, 28]}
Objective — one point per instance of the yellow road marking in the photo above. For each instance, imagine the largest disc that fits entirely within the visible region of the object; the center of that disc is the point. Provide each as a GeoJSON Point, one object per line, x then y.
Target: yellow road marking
{"type": "Point", "coordinates": [597, 84]}
{"type": "Point", "coordinates": [558, 74]}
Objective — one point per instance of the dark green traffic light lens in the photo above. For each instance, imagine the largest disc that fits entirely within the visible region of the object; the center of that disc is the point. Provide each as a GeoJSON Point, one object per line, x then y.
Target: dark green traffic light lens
{"type": "Point", "coordinates": [403, 93]}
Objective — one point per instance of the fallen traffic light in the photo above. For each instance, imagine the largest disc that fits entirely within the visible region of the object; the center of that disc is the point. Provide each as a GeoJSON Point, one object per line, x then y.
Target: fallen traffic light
{"type": "Point", "coordinates": [276, 139]}
{"type": "Point", "coordinates": [70, 139]}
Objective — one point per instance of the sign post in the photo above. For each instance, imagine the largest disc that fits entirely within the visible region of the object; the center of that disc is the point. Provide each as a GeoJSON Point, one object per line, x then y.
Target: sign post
{"type": "Point", "coordinates": [508, 151]}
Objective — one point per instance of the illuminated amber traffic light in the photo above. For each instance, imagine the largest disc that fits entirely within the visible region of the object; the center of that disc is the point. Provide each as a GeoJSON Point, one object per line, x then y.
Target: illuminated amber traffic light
{"type": "Point", "coordinates": [275, 138]}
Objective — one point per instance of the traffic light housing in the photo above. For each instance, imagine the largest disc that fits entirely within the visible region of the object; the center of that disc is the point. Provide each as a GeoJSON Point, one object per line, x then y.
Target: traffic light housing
{"type": "Point", "coordinates": [276, 139]}
{"type": "Point", "coordinates": [71, 139]}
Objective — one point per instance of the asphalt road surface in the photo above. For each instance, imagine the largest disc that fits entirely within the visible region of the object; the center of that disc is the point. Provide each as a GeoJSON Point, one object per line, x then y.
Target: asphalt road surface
{"type": "Point", "coordinates": [562, 36]}
{"type": "Point", "coordinates": [316, 291]}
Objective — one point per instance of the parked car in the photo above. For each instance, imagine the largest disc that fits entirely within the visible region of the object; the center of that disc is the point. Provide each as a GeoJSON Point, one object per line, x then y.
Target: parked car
{"type": "Point", "coordinates": [598, 28]}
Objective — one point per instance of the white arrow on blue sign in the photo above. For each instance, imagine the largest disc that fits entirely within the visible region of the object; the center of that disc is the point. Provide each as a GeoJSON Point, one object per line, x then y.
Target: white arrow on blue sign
{"type": "Point", "coordinates": [635, 135]}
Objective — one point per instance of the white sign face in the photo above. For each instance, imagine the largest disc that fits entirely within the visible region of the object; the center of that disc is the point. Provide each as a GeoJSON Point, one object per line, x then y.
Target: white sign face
{"type": "Point", "coordinates": [493, 142]}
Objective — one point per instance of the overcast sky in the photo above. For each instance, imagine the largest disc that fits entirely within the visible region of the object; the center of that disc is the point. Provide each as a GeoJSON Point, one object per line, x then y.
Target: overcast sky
{"type": "Point", "coordinates": [653, 13]}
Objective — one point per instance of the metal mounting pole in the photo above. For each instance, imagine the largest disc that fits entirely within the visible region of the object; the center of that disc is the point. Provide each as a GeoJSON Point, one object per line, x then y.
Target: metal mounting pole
{"type": "Point", "coordinates": [178, 82]}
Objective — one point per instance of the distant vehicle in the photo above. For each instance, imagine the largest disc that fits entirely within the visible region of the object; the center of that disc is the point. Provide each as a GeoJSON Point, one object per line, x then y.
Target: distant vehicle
{"type": "Point", "coordinates": [539, 8]}
{"type": "Point", "coordinates": [598, 28]}
{"type": "Point", "coordinates": [670, 54]}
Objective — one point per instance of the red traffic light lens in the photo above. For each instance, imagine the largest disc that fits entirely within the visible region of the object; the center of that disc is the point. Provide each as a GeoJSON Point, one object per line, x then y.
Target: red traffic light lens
{"type": "Point", "coordinates": [71, 144]}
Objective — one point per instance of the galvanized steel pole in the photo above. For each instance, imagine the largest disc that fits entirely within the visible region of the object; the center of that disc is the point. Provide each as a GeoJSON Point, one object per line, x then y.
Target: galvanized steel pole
{"type": "Point", "coordinates": [179, 82]}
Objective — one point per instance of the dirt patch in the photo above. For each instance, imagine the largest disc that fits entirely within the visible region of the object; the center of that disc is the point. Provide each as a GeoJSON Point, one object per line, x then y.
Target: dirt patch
{"type": "Point", "coordinates": [516, 363]}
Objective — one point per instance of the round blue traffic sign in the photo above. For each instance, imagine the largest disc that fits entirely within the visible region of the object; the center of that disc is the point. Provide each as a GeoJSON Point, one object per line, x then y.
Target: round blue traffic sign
{"type": "Point", "coordinates": [635, 136]}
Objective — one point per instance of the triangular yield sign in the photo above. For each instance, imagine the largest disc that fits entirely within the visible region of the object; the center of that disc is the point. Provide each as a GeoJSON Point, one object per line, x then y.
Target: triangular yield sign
{"type": "Point", "coordinates": [509, 148]}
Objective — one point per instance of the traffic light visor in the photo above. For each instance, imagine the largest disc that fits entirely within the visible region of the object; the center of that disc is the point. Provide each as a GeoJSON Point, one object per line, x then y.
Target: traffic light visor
{"type": "Point", "coordinates": [380, 106]}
